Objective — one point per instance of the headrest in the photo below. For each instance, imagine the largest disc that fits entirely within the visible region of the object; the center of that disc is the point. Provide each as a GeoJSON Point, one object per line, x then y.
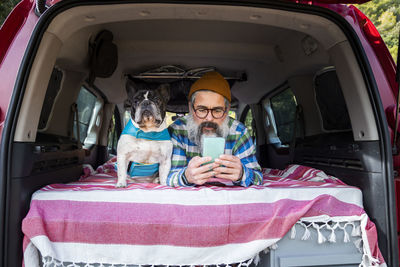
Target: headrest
{"type": "Point", "coordinates": [103, 56]}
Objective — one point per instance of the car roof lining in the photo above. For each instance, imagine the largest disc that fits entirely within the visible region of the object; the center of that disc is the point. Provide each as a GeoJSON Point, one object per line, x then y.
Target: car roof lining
{"type": "Point", "coordinates": [151, 35]}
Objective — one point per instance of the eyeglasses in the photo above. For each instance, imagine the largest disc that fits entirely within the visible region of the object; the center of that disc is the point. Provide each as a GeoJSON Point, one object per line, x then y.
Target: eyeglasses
{"type": "Point", "coordinates": [202, 112]}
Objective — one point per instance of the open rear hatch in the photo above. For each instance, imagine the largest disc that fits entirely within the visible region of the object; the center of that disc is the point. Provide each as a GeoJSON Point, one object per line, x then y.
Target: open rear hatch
{"type": "Point", "coordinates": [43, 4]}
{"type": "Point", "coordinates": [275, 45]}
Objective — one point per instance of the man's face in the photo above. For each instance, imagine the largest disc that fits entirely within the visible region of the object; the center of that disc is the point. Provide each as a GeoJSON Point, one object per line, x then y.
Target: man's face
{"type": "Point", "coordinates": [208, 100]}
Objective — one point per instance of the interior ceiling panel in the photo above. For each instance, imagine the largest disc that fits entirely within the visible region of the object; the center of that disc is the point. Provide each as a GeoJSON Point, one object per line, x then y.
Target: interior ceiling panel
{"type": "Point", "coordinates": [268, 54]}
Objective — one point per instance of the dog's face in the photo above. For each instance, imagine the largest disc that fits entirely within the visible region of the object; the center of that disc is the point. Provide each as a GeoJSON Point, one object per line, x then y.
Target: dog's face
{"type": "Point", "coordinates": [148, 103]}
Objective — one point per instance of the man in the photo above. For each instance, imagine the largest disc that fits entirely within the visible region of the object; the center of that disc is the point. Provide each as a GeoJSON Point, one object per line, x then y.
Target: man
{"type": "Point", "coordinates": [209, 103]}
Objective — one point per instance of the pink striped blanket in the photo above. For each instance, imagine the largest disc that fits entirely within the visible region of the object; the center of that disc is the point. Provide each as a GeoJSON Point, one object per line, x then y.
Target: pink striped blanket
{"type": "Point", "coordinates": [90, 221]}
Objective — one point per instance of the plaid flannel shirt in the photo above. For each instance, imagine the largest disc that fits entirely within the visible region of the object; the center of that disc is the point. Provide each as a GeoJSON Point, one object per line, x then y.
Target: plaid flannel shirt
{"type": "Point", "coordinates": [238, 143]}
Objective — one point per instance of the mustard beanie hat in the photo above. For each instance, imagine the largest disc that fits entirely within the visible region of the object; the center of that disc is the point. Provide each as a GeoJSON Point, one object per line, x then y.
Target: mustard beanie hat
{"type": "Point", "coordinates": [212, 81]}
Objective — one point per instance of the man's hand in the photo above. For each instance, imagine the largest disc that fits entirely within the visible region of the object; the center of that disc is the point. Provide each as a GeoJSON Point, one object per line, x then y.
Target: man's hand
{"type": "Point", "coordinates": [197, 174]}
{"type": "Point", "coordinates": [229, 167]}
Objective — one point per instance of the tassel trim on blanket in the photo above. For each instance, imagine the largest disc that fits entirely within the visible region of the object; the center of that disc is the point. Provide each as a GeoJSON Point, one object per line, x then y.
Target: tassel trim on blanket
{"type": "Point", "coordinates": [48, 261]}
{"type": "Point", "coordinates": [349, 228]}
{"type": "Point", "coordinates": [333, 227]}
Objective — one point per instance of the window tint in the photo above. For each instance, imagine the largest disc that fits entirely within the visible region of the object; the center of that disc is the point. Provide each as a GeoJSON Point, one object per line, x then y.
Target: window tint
{"type": "Point", "coordinates": [85, 105]}
{"type": "Point", "coordinates": [284, 110]}
{"type": "Point", "coordinates": [330, 100]}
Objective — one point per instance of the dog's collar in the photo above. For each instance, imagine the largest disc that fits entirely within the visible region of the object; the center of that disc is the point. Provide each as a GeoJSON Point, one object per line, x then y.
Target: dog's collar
{"type": "Point", "coordinates": [134, 131]}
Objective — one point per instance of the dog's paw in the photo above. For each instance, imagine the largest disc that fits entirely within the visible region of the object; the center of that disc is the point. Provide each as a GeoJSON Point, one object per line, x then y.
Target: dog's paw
{"type": "Point", "coordinates": [120, 184]}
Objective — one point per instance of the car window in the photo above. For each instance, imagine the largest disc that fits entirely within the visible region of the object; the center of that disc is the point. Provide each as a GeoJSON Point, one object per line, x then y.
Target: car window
{"type": "Point", "coordinates": [86, 106]}
{"type": "Point", "coordinates": [250, 123]}
{"type": "Point", "coordinates": [283, 107]}
{"type": "Point", "coordinates": [112, 136]}
{"type": "Point", "coordinates": [330, 101]}
{"type": "Point", "coordinates": [127, 117]}
{"type": "Point", "coordinates": [172, 116]}
{"type": "Point", "coordinates": [232, 114]}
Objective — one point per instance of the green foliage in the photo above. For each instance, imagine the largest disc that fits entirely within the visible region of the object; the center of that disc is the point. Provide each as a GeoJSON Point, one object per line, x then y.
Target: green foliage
{"type": "Point", "coordinates": [5, 8]}
{"type": "Point", "coordinates": [385, 14]}
{"type": "Point", "coordinates": [248, 122]}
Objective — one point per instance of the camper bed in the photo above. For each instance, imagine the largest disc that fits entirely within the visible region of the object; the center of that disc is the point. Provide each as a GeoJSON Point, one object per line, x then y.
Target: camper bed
{"type": "Point", "coordinates": [94, 223]}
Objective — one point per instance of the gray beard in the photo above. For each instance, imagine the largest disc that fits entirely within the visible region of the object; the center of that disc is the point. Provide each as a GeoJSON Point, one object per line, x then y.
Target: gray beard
{"type": "Point", "coordinates": [195, 131]}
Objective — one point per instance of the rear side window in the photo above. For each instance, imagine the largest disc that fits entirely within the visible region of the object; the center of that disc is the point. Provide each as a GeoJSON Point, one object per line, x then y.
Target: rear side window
{"type": "Point", "coordinates": [85, 106]}
{"type": "Point", "coordinates": [330, 100]}
{"type": "Point", "coordinates": [284, 110]}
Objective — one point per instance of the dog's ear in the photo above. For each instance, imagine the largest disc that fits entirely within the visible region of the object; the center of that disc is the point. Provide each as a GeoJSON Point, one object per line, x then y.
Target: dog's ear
{"type": "Point", "coordinates": [165, 91]}
{"type": "Point", "coordinates": [131, 88]}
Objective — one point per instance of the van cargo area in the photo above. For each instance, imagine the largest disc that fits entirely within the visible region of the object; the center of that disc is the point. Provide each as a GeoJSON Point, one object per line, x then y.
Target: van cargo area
{"type": "Point", "coordinates": [302, 79]}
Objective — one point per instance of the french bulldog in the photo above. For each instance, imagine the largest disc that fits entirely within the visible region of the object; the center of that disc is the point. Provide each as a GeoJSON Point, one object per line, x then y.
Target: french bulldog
{"type": "Point", "coordinates": [145, 139]}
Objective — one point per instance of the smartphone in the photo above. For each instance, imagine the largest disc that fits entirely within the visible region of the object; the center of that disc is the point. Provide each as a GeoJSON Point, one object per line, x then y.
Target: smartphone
{"type": "Point", "coordinates": [213, 147]}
